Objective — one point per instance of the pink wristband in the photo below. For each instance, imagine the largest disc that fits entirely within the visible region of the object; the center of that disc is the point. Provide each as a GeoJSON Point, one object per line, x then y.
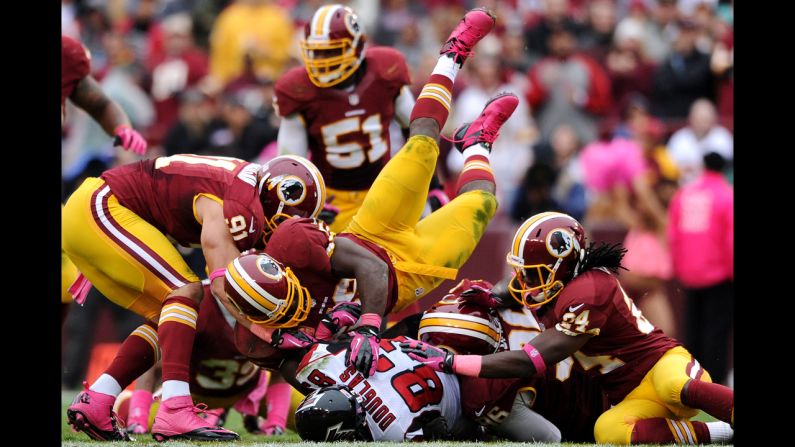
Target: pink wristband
{"type": "Point", "coordinates": [536, 358]}
{"type": "Point", "coordinates": [217, 273]}
{"type": "Point", "coordinates": [370, 320]}
{"type": "Point", "coordinates": [467, 365]}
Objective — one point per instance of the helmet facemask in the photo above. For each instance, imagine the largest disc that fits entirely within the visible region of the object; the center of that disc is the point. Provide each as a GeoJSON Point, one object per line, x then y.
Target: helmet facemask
{"type": "Point", "coordinates": [536, 283]}
{"type": "Point", "coordinates": [329, 62]}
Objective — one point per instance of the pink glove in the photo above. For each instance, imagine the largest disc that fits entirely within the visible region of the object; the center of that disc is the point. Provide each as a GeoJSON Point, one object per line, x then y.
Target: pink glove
{"type": "Point", "coordinates": [129, 139]}
{"type": "Point", "coordinates": [364, 350]}
{"type": "Point", "coordinates": [475, 292]}
{"type": "Point", "coordinates": [291, 339]}
{"type": "Point", "coordinates": [343, 315]}
{"type": "Point", "coordinates": [438, 359]}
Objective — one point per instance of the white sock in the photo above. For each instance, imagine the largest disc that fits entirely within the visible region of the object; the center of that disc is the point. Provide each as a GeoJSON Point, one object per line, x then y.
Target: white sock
{"type": "Point", "coordinates": [446, 67]}
{"type": "Point", "coordinates": [174, 388]}
{"type": "Point", "coordinates": [476, 149]}
{"type": "Point", "coordinates": [719, 431]}
{"type": "Point", "coordinates": [106, 385]}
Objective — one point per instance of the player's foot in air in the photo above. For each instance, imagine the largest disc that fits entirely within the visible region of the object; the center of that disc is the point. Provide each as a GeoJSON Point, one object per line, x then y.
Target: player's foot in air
{"type": "Point", "coordinates": [92, 413]}
{"type": "Point", "coordinates": [473, 27]}
{"type": "Point", "coordinates": [486, 126]}
{"type": "Point", "coordinates": [178, 418]}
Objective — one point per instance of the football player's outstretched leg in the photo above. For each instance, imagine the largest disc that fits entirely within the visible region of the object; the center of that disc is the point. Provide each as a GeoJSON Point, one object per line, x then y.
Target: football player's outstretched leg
{"type": "Point", "coordinates": [429, 251]}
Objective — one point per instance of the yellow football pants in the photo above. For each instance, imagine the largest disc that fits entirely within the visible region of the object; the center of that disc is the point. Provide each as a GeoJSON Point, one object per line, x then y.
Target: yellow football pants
{"type": "Point", "coordinates": [428, 251]}
{"type": "Point", "coordinates": [657, 396]}
{"type": "Point", "coordinates": [348, 202]}
{"type": "Point", "coordinates": [126, 258]}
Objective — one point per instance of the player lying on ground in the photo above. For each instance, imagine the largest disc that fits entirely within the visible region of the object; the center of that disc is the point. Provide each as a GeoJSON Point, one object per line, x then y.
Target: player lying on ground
{"type": "Point", "coordinates": [118, 229]}
{"type": "Point", "coordinates": [560, 405]}
{"type": "Point", "coordinates": [653, 383]}
{"type": "Point", "coordinates": [395, 257]}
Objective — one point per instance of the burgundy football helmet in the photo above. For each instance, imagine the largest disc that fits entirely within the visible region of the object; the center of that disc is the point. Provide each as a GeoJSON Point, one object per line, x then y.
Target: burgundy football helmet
{"type": "Point", "coordinates": [254, 283]}
{"type": "Point", "coordinates": [545, 254]}
{"type": "Point", "coordinates": [461, 327]}
{"type": "Point", "coordinates": [290, 185]}
{"type": "Point", "coordinates": [333, 45]}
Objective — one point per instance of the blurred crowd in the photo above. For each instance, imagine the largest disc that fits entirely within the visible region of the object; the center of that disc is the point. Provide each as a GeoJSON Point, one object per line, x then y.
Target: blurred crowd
{"type": "Point", "coordinates": [621, 100]}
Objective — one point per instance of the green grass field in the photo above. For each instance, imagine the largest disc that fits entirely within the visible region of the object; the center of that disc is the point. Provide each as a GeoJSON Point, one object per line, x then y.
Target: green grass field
{"type": "Point", "coordinates": [234, 422]}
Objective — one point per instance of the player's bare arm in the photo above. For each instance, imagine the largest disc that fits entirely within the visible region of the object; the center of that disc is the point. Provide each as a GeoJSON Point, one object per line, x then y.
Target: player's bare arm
{"type": "Point", "coordinates": [371, 273]}
{"type": "Point", "coordinates": [88, 95]}
{"type": "Point", "coordinates": [218, 247]}
{"type": "Point", "coordinates": [548, 348]}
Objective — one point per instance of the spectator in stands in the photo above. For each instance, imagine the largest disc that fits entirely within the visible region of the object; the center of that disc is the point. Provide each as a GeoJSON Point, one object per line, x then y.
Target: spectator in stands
{"type": "Point", "coordinates": [511, 153]}
{"type": "Point", "coordinates": [535, 193]}
{"type": "Point", "coordinates": [197, 121]}
{"type": "Point", "coordinates": [629, 71]}
{"type": "Point", "coordinates": [722, 66]}
{"type": "Point", "coordinates": [141, 29]}
{"type": "Point", "coordinates": [393, 19]}
{"type": "Point", "coordinates": [260, 29]}
{"type": "Point", "coordinates": [701, 234]}
{"type": "Point", "coordinates": [562, 153]}
{"type": "Point", "coordinates": [568, 87]}
{"type": "Point", "coordinates": [597, 37]}
{"type": "Point", "coordinates": [555, 15]}
{"type": "Point", "coordinates": [688, 145]}
{"type": "Point", "coordinates": [241, 134]}
{"type": "Point", "coordinates": [180, 66]}
{"type": "Point", "coordinates": [682, 78]}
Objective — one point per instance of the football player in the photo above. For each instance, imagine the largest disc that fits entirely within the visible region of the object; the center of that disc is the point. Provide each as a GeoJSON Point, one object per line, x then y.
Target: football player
{"type": "Point", "coordinates": [220, 377]}
{"type": "Point", "coordinates": [118, 230]}
{"type": "Point", "coordinates": [561, 405]}
{"type": "Point", "coordinates": [653, 383]}
{"type": "Point", "coordinates": [395, 257]}
{"type": "Point", "coordinates": [82, 89]}
{"type": "Point", "coordinates": [404, 401]}
{"type": "Point", "coordinates": [339, 106]}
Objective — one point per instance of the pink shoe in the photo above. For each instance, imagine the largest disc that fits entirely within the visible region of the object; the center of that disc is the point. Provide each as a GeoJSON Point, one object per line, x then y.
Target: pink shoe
{"type": "Point", "coordinates": [178, 418]}
{"type": "Point", "coordinates": [216, 416]}
{"type": "Point", "coordinates": [92, 413]}
{"type": "Point", "coordinates": [486, 127]}
{"type": "Point", "coordinates": [473, 27]}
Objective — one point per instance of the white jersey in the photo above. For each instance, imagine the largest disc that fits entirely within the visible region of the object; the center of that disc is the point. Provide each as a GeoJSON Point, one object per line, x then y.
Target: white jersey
{"type": "Point", "coordinates": [397, 397]}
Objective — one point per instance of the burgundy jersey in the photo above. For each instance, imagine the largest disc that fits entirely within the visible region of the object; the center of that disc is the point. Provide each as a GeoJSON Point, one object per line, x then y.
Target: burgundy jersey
{"type": "Point", "coordinates": [564, 396]}
{"type": "Point", "coordinates": [624, 346]}
{"type": "Point", "coordinates": [163, 192]}
{"type": "Point", "coordinates": [75, 65]}
{"type": "Point", "coordinates": [348, 131]}
{"type": "Point", "coordinates": [310, 260]}
{"type": "Point", "coordinates": [217, 369]}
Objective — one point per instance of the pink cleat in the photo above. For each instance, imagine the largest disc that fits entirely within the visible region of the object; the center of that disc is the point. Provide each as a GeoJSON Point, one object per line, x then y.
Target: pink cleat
{"type": "Point", "coordinates": [486, 127]}
{"type": "Point", "coordinates": [92, 413]}
{"type": "Point", "coordinates": [216, 416]}
{"type": "Point", "coordinates": [178, 418]}
{"type": "Point", "coordinates": [473, 27]}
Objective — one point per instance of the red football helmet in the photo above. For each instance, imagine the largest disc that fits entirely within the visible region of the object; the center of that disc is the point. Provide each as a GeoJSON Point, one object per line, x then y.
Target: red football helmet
{"type": "Point", "coordinates": [290, 185]}
{"type": "Point", "coordinates": [255, 282]}
{"type": "Point", "coordinates": [333, 45]}
{"type": "Point", "coordinates": [460, 327]}
{"type": "Point", "coordinates": [545, 253]}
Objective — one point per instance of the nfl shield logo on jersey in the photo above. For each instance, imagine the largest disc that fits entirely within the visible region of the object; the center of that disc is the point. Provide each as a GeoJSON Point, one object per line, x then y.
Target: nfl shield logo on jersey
{"type": "Point", "coordinates": [353, 98]}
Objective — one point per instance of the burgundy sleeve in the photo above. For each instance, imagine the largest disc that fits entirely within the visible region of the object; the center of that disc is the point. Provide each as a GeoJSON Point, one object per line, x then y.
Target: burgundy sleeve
{"type": "Point", "coordinates": [579, 311]}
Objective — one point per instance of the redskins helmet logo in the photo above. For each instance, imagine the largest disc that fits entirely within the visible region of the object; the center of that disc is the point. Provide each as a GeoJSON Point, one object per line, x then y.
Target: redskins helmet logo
{"type": "Point", "coordinates": [269, 268]}
{"type": "Point", "coordinates": [352, 23]}
{"type": "Point", "coordinates": [560, 243]}
{"type": "Point", "coordinates": [291, 191]}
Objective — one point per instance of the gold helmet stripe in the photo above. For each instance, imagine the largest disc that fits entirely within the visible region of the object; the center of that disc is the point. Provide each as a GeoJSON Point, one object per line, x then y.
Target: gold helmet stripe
{"type": "Point", "coordinates": [526, 230]}
{"type": "Point", "coordinates": [248, 289]}
{"type": "Point", "coordinates": [460, 331]}
{"type": "Point", "coordinates": [322, 19]}
{"type": "Point", "coordinates": [450, 320]}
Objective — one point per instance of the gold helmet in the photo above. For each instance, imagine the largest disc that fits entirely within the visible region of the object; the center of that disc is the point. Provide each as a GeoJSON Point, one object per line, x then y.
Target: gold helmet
{"type": "Point", "coordinates": [333, 45]}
